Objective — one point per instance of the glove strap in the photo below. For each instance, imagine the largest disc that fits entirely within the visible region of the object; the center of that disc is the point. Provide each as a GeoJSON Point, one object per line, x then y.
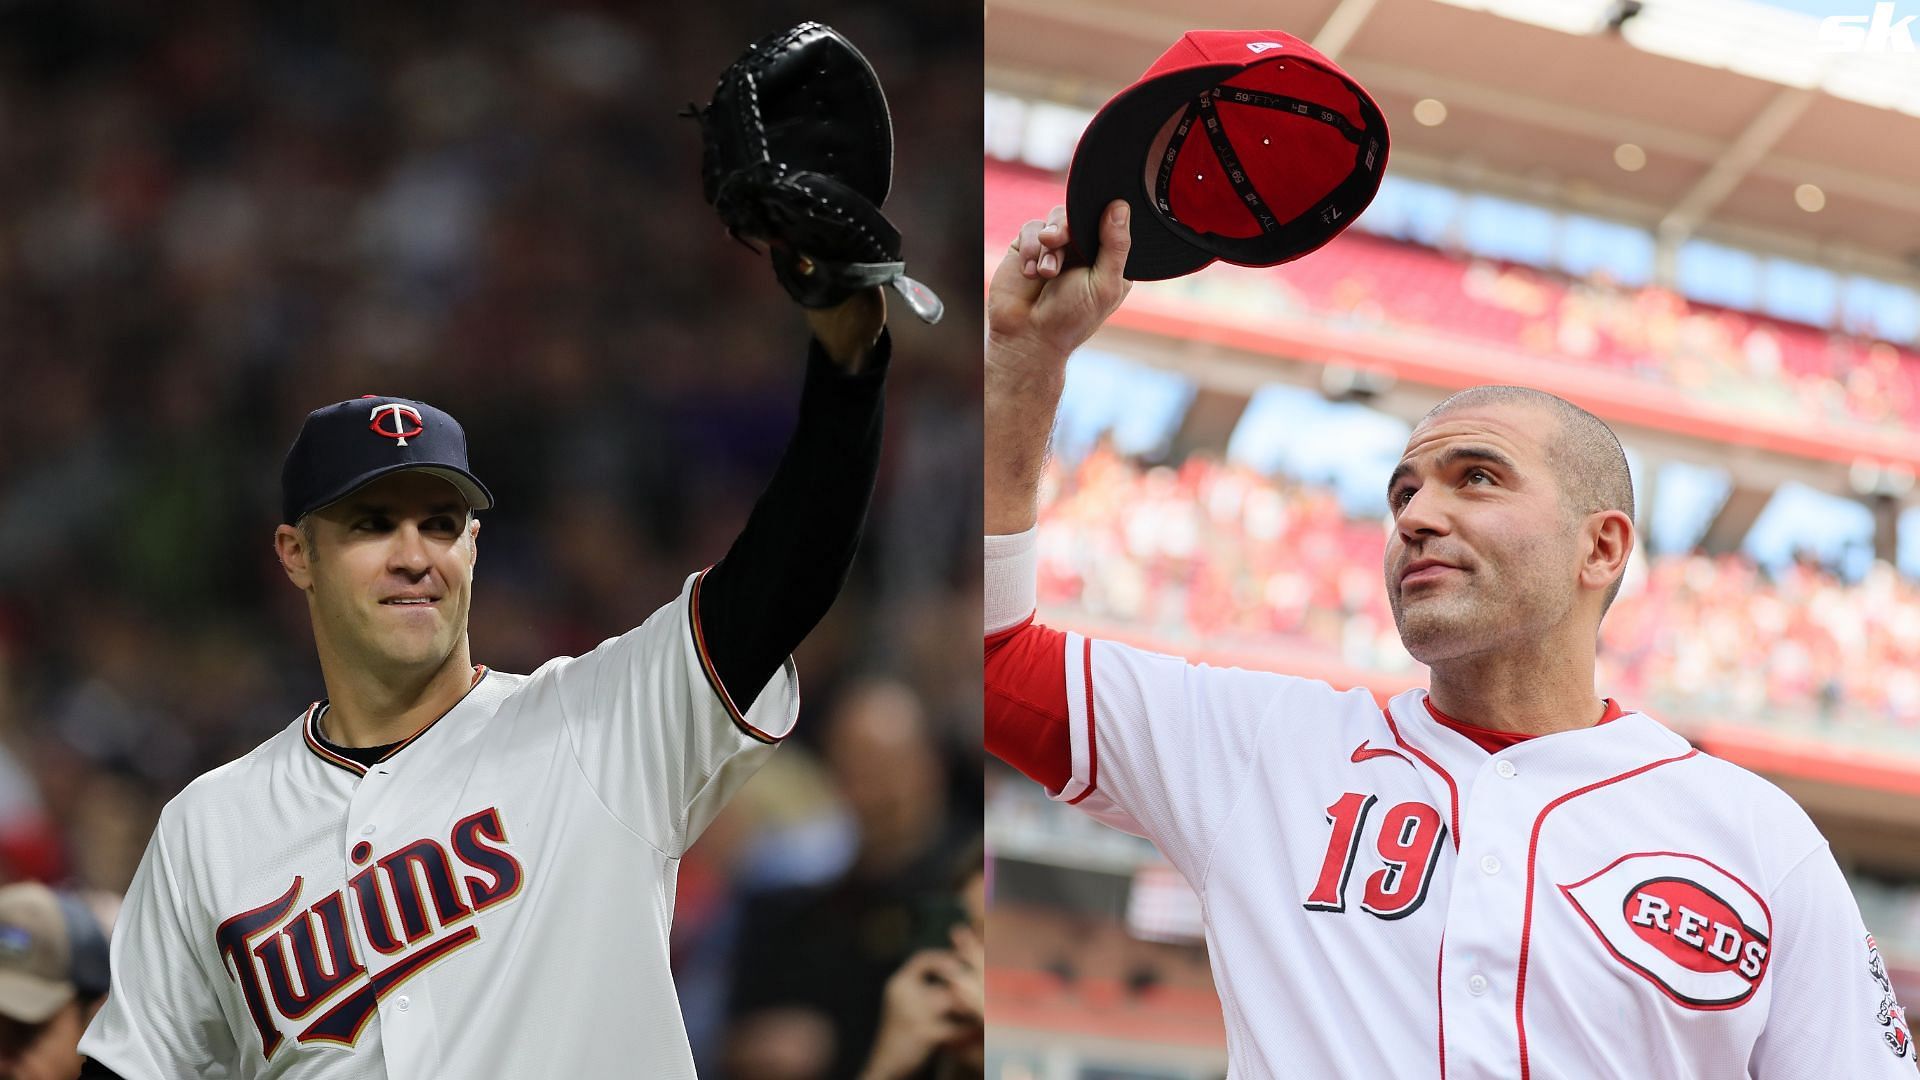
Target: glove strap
{"type": "Point", "coordinates": [920, 299]}
{"type": "Point", "coordinates": [824, 285]}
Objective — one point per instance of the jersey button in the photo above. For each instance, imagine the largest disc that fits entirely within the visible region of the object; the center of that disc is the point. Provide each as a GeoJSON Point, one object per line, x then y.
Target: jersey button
{"type": "Point", "coordinates": [366, 830]}
{"type": "Point", "coordinates": [1489, 864]}
{"type": "Point", "coordinates": [1505, 769]}
{"type": "Point", "coordinates": [403, 1002]}
{"type": "Point", "coordinates": [1476, 984]}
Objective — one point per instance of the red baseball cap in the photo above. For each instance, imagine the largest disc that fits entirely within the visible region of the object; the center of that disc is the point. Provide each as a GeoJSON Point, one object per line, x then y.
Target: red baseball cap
{"type": "Point", "coordinates": [1240, 145]}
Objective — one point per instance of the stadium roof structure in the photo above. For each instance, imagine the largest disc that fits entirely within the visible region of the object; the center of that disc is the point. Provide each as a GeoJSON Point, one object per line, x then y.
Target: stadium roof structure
{"type": "Point", "coordinates": [1734, 104]}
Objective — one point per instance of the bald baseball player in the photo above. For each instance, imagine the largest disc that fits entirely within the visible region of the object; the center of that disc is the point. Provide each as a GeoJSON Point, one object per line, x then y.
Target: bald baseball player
{"type": "Point", "coordinates": [445, 871]}
{"type": "Point", "coordinates": [1507, 875]}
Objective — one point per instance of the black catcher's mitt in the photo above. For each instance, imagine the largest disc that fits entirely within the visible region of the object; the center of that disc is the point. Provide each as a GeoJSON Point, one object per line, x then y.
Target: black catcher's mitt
{"type": "Point", "coordinates": [799, 156]}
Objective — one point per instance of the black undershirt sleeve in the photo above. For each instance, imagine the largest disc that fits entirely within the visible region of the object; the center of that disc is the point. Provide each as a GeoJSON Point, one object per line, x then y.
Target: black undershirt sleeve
{"type": "Point", "coordinates": [791, 558]}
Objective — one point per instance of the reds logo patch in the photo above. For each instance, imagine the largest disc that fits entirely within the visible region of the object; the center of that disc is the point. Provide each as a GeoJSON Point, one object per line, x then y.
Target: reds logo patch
{"type": "Point", "coordinates": [396, 421]}
{"type": "Point", "coordinates": [1891, 1016]}
{"type": "Point", "coordinates": [1691, 929]}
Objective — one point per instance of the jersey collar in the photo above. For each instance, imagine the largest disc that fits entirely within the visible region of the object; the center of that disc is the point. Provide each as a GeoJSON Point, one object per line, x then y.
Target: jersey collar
{"type": "Point", "coordinates": [1493, 741]}
{"type": "Point", "coordinates": [310, 730]}
{"type": "Point", "coordinates": [1629, 734]}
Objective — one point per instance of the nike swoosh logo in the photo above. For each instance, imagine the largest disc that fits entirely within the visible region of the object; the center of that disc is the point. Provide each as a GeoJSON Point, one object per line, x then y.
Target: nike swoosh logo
{"type": "Point", "coordinates": [1363, 752]}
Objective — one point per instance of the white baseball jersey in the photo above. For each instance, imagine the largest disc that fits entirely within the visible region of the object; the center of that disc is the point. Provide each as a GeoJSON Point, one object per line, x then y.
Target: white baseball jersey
{"type": "Point", "coordinates": [492, 899]}
{"type": "Point", "coordinates": [1386, 899]}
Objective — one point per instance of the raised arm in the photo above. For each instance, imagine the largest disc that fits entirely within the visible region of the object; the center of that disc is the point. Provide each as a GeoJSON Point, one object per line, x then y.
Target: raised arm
{"type": "Point", "coordinates": [850, 331]}
{"type": "Point", "coordinates": [1037, 313]}
{"type": "Point", "coordinates": [792, 556]}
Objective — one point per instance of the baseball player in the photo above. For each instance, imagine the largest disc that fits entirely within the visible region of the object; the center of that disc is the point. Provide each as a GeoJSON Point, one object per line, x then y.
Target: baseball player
{"type": "Point", "coordinates": [447, 871]}
{"type": "Point", "coordinates": [1503, 876]}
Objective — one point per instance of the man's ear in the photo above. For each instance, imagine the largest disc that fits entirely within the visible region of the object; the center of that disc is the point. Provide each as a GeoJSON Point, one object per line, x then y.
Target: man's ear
{"type": "Point", "coordinates": [473, 543]}
{"type": "Point", "coordinates": [291, 548]}
{"type": "Point", "coordinates": [1610, 542]}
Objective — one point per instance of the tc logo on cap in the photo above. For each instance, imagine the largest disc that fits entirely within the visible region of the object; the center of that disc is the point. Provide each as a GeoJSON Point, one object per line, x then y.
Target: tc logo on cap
{"type": "Point", "coordinates": [1263, 46]}
{"type": "Point", "coordinates": [402, 422]}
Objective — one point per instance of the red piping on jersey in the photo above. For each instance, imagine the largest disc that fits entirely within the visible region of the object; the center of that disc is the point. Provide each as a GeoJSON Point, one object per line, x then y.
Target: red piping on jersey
{"type": "Point", "coordinates": [1526, 922]}
{"type": "Point", "coordinates": [1453, 790]}
{"type": "Point", "coordinates": [1093, 756]}
{"type": "Point", "coordinates": [310, 729]}
{"type": "Point", "coordinates": [713, 676]}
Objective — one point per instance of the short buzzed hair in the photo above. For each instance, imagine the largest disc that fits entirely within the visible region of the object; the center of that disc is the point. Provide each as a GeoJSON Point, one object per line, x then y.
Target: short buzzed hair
{"type": "Point", "coordinates": [1587, 458]}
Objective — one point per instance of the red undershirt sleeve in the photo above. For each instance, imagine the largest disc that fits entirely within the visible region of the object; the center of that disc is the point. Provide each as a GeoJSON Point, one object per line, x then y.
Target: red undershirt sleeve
{"type": "Point", "coordinates": [1027, 713]}
{"type": "Point", "coordinates": [1026, 702]}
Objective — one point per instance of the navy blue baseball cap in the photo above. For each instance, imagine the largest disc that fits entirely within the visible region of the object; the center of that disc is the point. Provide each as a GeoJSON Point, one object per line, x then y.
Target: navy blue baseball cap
{"type": "Point", "coordinates": [348, 445]}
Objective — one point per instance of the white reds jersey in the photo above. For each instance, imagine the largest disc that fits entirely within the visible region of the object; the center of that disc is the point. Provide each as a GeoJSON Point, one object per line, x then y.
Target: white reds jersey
{"type": "Point", "coordinates": [1385, 899]}
{"type": "Point", "coordinates": [492, 899]}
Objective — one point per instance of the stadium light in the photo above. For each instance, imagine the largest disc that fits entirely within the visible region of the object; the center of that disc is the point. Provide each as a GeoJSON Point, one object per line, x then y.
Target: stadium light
{"type": "Point", "coordinates": [1430, 112]}
{"type": "Point", "coordinates": [1630, 157]}
{"type": "Point", "coordinates": [1810, 198]}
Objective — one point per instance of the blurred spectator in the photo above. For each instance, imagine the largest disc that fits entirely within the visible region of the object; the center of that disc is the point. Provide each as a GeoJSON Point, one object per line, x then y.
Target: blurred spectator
{"type": "Point", "coordinates": [1767, 368]}
{"type": "Point", "coordinates": [933, 1024]}
{"type": "Point", "coordinates": [812, 966]}
{"type": "Point", "coordinates": [53, 978]}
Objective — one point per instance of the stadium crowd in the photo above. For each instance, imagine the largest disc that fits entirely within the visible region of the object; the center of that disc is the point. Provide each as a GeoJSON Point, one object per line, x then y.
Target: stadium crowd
{"type": "Point", "coordinates": [218, 217]}
{"type": "Point", "coordinates": [1768, 368]}
{"type": "Point", "coordinates": [1760, 365]}
{"type": "Point", "coordinates": [1209, 555]}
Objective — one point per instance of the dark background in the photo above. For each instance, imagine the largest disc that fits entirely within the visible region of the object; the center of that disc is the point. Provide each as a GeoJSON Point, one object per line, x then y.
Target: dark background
{"type": "Point", "coordinates": [215, 217]}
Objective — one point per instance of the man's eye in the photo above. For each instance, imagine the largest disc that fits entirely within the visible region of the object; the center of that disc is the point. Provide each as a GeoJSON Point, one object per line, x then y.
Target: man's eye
{"type": "Point", "coordinates": [1401, 497]}
{"type": "Point", "coordinates": [1480, 474]}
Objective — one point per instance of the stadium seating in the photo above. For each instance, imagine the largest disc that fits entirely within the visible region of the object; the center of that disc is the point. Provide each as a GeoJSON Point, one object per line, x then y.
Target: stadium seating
{"type": "Point", "coordinates": [1217, 557]}
{"type": "Point", "coordinates": [1767, 365]}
